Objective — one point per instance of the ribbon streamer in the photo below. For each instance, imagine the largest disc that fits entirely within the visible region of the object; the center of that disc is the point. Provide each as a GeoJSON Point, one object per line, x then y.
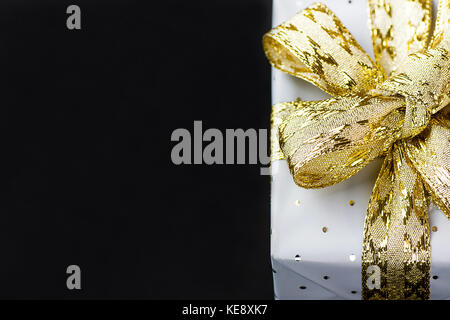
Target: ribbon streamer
{"type": "Point", "coordinates": [394, 108]}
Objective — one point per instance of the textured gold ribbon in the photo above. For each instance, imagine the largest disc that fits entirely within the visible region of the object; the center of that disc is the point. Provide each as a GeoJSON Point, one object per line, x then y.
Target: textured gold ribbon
{"type": "Point", "coordinates": [395, 108]}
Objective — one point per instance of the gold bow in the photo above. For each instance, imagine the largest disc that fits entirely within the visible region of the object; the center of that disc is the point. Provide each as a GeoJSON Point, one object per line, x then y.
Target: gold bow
{"type": "Point", "coordinates": [393, 108]}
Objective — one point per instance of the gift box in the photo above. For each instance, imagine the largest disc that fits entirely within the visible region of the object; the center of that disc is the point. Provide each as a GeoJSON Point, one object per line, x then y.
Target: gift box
{"type": "Point", "coordinates": [316, 234]}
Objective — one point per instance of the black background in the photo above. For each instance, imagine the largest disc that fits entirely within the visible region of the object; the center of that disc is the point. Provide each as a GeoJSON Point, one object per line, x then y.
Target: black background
{"type": "Point", "coordinates": [86, 178]}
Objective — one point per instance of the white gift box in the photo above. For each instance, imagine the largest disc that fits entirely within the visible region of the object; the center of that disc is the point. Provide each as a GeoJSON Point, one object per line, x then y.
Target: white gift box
{"type": "Point", "coordinates": [309, 261]}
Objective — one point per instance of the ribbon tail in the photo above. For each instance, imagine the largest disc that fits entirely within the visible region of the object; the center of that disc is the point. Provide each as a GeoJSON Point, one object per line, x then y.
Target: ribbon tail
{"type": "Point", "coordinates": [429, 154]}
{"type": "Point", "coordinates": [396, 244]}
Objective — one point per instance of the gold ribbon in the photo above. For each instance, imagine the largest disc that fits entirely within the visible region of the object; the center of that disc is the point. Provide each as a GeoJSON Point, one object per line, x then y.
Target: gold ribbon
{"type": "Point", "coordinates": [395, 108]}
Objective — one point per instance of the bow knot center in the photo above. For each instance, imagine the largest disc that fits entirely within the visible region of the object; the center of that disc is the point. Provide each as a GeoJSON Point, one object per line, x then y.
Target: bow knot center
{"type": "Point", "coordinates": [423, 81]}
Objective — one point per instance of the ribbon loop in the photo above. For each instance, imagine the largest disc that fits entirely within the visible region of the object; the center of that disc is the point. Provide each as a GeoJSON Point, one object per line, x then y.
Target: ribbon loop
{"type": "Point", "coordinates": [326, 142]}
{"type": "Point", "coordinates": [315, 46]}
{"type": "Point", "coordinates": [398, 29]}
{"type": "Point", "coordinates": [442, 26]}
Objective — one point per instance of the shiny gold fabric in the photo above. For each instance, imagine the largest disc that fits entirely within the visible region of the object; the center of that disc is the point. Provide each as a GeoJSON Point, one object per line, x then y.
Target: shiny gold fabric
{"type": "Point", "coordinates": [394, 107]}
